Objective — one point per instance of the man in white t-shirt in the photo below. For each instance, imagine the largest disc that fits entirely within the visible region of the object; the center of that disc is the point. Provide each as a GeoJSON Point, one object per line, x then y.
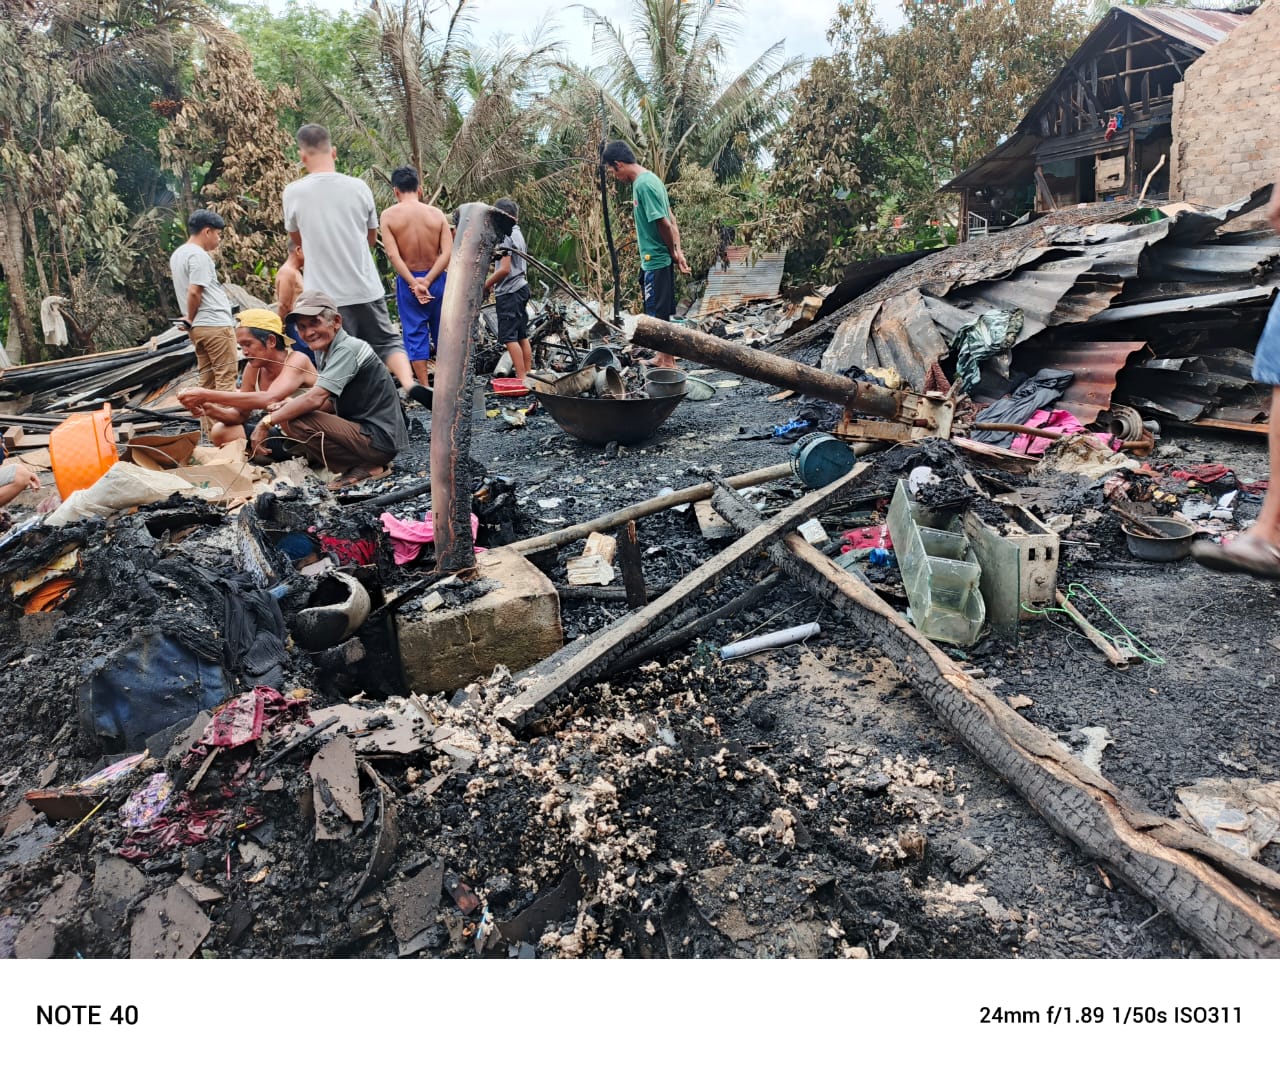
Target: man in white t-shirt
{"type": "Point", "coordinates": [205, 307]}
{"type": "Point", "coordinates": [333, 218]}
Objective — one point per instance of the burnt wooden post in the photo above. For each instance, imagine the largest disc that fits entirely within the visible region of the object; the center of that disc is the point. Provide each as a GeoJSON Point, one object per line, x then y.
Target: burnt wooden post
{"type": "Point", "coordinates": [629, 561]}
{"type": "Point", "coordinates": [478, 231]}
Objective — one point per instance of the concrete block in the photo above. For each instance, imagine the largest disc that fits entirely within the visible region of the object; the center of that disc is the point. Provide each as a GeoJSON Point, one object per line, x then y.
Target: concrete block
{"type": "Point", "coordinates": [515, 625]}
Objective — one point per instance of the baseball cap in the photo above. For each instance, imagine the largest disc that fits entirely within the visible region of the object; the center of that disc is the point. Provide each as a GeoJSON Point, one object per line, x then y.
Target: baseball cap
{"type": "Point", "coordinates": [312, 303]}
{"type": "Point", "coordinates": [263, 319]}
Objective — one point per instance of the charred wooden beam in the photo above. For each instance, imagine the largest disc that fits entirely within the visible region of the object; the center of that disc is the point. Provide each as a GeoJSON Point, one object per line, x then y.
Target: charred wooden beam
{"type": "Point", "coordinates": [560, 537]}
{"type": "Point", "coordinates": [668, 338]}
{"type": "Point", "coordinates": [543, 683]}
{"type": "Point", "coordinates": [1212, 893]}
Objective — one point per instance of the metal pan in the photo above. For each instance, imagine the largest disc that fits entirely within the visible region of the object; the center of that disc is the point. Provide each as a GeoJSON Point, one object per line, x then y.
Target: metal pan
{"type": "Point", "coordinates": [609, 420]}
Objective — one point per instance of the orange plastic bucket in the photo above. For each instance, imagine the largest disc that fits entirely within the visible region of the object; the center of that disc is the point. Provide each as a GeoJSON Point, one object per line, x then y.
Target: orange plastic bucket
{"type": "Point", "coordinates": [81, 449]}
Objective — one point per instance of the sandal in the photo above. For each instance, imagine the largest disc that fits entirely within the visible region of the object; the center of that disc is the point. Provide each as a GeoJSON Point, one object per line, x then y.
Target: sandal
{"type": "Point", "coordinates": [358, 475]}
{"type": "Point", "coordinates": [1245, 554]}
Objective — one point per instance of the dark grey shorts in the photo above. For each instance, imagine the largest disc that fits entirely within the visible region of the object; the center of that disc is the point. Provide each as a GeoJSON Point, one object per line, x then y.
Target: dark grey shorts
{"type": "Point", "coordinates": [659, 292]}
{"type": "Point", "coordinates": [513, 315]}
{"type": "Point", "coordinates": [372, 323]}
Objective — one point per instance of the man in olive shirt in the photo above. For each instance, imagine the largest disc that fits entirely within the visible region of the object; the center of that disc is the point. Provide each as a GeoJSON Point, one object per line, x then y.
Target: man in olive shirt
{"type": "Point", "coordinates": [657, 234]}
{"type": "Point", "coordinates": [366, 428]}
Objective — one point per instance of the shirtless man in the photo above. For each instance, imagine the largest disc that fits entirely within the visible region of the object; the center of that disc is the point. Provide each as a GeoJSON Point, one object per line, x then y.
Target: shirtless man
{"type": "Point", "coordinates": [273, 374]}
{"type": "Point", "coordinates": [288, 286]}
{"type": "Point", "coordinates": [418, 242]}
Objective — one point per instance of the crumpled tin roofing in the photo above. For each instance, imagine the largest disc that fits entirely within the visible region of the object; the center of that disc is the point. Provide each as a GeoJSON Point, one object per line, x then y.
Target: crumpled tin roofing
{"type": "Point", "coordinates": [743, 280]}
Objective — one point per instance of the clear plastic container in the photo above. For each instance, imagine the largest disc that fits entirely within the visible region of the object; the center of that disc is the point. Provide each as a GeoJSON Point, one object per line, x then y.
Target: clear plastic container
{"type": "Point", "coordinates": [940, 573]}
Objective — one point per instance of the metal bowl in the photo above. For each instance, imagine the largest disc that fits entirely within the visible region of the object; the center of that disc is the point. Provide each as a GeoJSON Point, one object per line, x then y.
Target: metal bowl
{"type": "Point", "coordinates": [1170, 548]}
{"type": "Point", "coordinates": [609, 420]}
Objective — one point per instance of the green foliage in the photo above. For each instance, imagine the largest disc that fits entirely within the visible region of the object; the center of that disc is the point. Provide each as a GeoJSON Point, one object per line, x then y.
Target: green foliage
{"type": "Point", "coordinates": [63, 217]}
{"type": "Point", "coordinates": [880, 125]}
{"type": "Point", "coordinates": [304, 48]}
{"type": "Point", "coordinates": [418, 89]}
{"type": "Point", "coordinates": [228, 139]}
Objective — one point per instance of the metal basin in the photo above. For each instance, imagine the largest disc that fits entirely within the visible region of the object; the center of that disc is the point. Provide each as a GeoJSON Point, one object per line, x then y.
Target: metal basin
{"type": "Point", "coordinates": [609, 420]}
{"type": "Point", "coordinates": [1174, 546]}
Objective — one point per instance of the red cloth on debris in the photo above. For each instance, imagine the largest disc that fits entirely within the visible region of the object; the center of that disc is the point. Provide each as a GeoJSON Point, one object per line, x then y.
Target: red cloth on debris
{"type": "Point", "coordinates": [867, 536]}
{"type": "Point", "coordinates": [349, 552]}
{"type": "Point", "coordinates": [242, 719]}
{"type": "Point", "coordinates": [1209, 473]}
{"type": "Point", "coordinates": [185, 824]}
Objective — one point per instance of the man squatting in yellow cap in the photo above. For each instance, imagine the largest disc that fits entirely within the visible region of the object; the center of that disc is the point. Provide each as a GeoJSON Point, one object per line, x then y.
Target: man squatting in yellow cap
{"type": "Point", "coordinates": [272, 373]}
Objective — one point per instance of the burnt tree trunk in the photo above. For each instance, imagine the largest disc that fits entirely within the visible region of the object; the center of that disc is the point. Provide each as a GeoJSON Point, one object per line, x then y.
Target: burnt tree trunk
{"type": "Point", "coordinates": [451, 409]}
{"type": "Point", "coordinates": [13, 261]}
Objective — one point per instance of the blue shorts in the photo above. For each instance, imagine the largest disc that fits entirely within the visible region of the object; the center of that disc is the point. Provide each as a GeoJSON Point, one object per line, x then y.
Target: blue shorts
{"type": "Point", "coordinates": [1266, 358]}
{"type": "Point", "coordinates": [420, 323]}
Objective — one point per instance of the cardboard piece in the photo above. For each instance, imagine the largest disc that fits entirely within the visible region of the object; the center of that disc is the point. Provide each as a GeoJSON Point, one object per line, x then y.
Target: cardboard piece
{"type": "Point", "coordinates": [116, 883]}
{"type": "Point", "coordinates": [161, 451]}
{"type": "Point", "coordinates": [39, 938]}
{"type": "Point", "coordinates": [414, 901]}
{"type": "Point", "coordinates": [169, 926]}
{"type": "Point", "coordinates": [336, 788]}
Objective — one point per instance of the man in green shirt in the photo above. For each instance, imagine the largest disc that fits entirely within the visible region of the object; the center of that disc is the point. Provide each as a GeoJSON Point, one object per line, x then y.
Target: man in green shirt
{"type": "Point", "coordinates": [656, 232]}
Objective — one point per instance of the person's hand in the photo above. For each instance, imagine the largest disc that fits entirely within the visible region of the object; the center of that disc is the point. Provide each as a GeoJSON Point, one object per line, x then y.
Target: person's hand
{"type": "Point", "coordinates": [29, 480]}
{"type": "Point", "coordinates": [1273, 208]}
{"type": "Point", "coordinates": [681, 263]}
{"type": "Point", "coordinates": [193, 399]}
{"type": "Point", "coordinates": [258, 440]}
{"type": "Point", "coordinates": [183, 325]}
{"type": "Point", "coordinates": [273, 406]}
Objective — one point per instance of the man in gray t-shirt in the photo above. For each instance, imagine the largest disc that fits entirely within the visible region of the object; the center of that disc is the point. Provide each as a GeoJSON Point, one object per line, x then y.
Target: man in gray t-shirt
{"type": "Point", "coordinates": [511, 293]}
{"type": "Point", "coordinates": [333, 218]}
{"type": "Point", "coordinates": [205, 307]}
{"type": "Point", "coordinates": [350, 421]}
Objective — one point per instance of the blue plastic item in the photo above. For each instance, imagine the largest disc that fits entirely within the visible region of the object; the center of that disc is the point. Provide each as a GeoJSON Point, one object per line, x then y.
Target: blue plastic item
{"type": "Point", "coordinates": [818, 458]}
{"type": "Point", "coordinates": [147, 684]}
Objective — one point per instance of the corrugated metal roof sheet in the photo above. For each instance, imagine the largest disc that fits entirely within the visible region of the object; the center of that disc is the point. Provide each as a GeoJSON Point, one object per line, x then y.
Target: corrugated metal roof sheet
{"type": "Point", "coordinates": [1095, 366]}
{"type": "Point", "coordinates": [1064, 275]}
{"type": "Point", "coordinates": [743, 280]}
{"type": "Point", "coordinates": [1192, 26]}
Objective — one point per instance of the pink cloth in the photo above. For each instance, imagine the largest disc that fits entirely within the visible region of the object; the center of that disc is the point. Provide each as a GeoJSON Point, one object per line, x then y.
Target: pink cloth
{"type": "Point", "coordinates": [409, 537]}
{"type": "Point", "coordinates": [1058, 420]}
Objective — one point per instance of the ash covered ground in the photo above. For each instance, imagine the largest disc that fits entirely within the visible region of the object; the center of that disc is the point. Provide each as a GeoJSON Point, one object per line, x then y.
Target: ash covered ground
{"type": "Point", "coordinates": [797, 803]}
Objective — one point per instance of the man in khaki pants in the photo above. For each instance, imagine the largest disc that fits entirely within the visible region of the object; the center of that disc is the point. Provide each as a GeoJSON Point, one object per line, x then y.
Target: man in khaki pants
{"type": "Point", "coordinates": [206, 309]}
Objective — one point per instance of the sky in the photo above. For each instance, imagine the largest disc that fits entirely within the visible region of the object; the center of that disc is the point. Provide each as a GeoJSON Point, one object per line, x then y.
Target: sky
{"type": "Point", "coordinates": [802, 23]}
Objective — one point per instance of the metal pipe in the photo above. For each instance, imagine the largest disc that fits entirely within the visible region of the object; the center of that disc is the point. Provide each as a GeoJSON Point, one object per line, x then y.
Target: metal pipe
{"type": "Point", "coordinates": [668, 338]}
{"type": "Point", "coordinates": [451, 411]}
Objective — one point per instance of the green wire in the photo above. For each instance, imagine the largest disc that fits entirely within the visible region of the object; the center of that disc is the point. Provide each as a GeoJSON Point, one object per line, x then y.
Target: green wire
{"type": "Point", "coordinates": [1126, 642]}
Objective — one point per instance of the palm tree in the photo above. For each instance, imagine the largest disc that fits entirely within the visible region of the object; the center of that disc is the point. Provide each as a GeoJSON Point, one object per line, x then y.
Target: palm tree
{"type": "Point", "coordinates": [664, 88]}
{"type": "Point", "coordinates": [423, 92]}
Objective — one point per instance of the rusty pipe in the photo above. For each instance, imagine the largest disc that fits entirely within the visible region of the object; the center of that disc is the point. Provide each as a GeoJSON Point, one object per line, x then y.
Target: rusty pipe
{"type": "Point", "coordinates": [478, 227]}
{"type": "Point", "coordinates": [668, 338]}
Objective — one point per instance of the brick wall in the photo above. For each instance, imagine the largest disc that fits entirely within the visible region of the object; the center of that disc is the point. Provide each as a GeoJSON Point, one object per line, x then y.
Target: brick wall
{"type": "Point", "coordinates": [1226, 116]}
